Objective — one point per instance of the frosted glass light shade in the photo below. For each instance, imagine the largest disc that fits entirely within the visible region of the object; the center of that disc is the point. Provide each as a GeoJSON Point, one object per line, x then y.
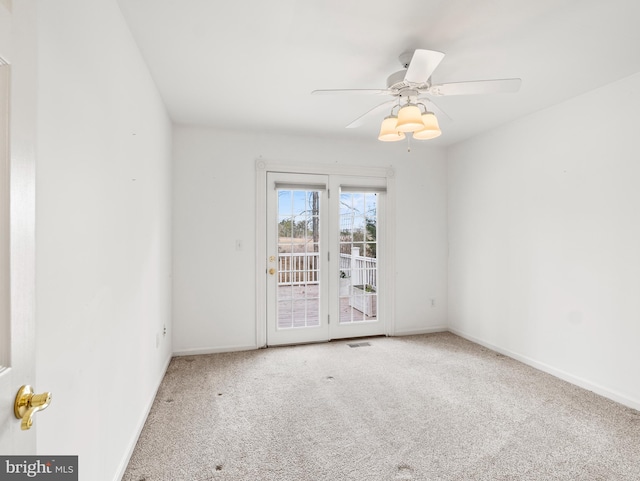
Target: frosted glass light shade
{"type": "Point", "coordinates": [410, 119]}
{"type": "Point", "coordinates": [388, 130]}
{"type": "Point", "coordinates": [431, 128]}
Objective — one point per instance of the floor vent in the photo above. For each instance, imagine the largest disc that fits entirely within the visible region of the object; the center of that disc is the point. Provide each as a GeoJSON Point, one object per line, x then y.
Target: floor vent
{"type": "Point", "coordinates": [359, 344]}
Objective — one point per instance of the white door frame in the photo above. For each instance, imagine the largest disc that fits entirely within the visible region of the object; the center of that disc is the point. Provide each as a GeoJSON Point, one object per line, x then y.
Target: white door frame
{"type": "Point", "coordinates": [264, 166]}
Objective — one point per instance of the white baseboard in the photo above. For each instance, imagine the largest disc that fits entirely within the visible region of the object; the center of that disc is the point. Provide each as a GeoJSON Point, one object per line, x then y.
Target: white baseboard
{"type": "Point", "coordinates": [565, 376]}
{"type": "Point", "coordinates": [132, 445]}
{"type": "Point", "coordinates": [214, 350]}
{"type": "Point", "coordinates": [415, 332]}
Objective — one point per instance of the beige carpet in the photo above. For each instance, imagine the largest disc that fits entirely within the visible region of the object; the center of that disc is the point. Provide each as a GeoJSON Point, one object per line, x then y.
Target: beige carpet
{"type": "Point", "coordinates": [433, 407]}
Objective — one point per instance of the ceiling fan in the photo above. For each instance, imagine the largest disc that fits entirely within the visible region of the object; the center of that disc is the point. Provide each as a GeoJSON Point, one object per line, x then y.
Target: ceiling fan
{"type": "Point", "coordinates": [412, 86]}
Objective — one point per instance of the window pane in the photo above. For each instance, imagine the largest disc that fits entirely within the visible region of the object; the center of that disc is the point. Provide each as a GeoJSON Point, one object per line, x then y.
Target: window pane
{"type": "Point", "coordinates": [298, 258]}
{"type": "Point", "coordinates": [358, 257]}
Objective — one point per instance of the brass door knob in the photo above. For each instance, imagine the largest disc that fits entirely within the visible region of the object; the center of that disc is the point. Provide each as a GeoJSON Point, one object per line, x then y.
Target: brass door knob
{"type": "Point", "coordinates": [27, 404]}
{"type": "Point", "coordinates": [272, 271]}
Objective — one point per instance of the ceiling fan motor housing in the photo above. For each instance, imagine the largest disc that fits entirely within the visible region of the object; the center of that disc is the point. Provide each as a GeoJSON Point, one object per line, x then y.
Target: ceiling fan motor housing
{"type": "Point", "coordinates": [395, 81]}
{"type": "Point", "coordinates": [399, 86]}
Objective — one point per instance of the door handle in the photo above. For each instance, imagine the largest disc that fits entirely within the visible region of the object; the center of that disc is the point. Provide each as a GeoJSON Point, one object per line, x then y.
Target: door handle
{"type": "Point", "coordinates": [272, 271]}
{"type": "Point", "coordinates": [27, 404]}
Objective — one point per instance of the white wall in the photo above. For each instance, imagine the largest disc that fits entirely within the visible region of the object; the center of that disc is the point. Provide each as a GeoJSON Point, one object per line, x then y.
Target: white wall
{"type": "Point", "coordinates": [103, 235]}
{"type": "Point", "coordinates": [544, 239]}
{"type": "Point", "coordinates": [214, 205]}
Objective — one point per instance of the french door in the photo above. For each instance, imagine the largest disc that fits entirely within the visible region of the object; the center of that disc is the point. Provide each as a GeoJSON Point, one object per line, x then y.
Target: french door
{"type": "Point", "coordinates": [324, 240]}
{"type": "Point", "coordinates": [17, 240]}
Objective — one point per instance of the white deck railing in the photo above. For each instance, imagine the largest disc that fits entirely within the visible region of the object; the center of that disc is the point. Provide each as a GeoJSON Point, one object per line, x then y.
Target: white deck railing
{"type": "Point", "coordinates": [304, 268]}
{"type": "Point", "coordinates": [298, 268]}
{"type": "Point", "coordinates": [361, 270]}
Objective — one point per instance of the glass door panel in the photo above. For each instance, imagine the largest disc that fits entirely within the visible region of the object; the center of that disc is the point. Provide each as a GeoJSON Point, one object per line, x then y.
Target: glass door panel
{"type": "Point", "coordinates": [358, 291]}
{"type": "Point", "coordinates": [298, 258]}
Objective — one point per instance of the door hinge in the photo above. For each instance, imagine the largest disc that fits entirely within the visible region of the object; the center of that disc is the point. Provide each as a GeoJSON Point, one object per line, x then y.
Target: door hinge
{"type": "Point", "coordinates": [329, 256]}
{"type": "Point", "coordinates": [328, 319]}
{"type": "Point", "coordinates": [328, 193]}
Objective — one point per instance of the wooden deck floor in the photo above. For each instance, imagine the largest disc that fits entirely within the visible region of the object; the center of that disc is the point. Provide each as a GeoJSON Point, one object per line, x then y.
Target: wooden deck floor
{"type": "Point", "coordinates": [298, 306]}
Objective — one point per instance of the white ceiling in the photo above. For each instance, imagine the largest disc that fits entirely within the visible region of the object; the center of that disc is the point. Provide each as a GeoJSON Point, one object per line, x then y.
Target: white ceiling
{"type": "Point", "coordinates": [252, 64]}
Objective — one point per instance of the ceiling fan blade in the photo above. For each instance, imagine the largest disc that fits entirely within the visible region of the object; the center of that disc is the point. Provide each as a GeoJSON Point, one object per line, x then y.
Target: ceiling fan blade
{"type": "Point", "coordinates": [351, 92]}
{"type": "Point", "coordinates": [378, 108]}
{"type": "Point", "coordinates": [422, 65]}
{"type": "Point", "coordinates": [433, 107]}
{"type": "Point", "coordinates": [476, 87]}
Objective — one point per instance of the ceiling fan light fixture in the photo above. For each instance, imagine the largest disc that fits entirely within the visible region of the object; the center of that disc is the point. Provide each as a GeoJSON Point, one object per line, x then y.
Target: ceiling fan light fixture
{"type": "Point", "coordinates": [410, 118]}
{"type": "Point", "coordinates": [389, 131]}
{"type": "Point", "coordinates": [431, 128]}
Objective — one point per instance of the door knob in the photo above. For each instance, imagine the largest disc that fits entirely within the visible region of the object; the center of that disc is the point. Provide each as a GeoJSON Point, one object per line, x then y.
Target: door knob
{"type": "Point", "coordinates": [27, 404]}
{"type": "Point", "coordinates": [272, 271]}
